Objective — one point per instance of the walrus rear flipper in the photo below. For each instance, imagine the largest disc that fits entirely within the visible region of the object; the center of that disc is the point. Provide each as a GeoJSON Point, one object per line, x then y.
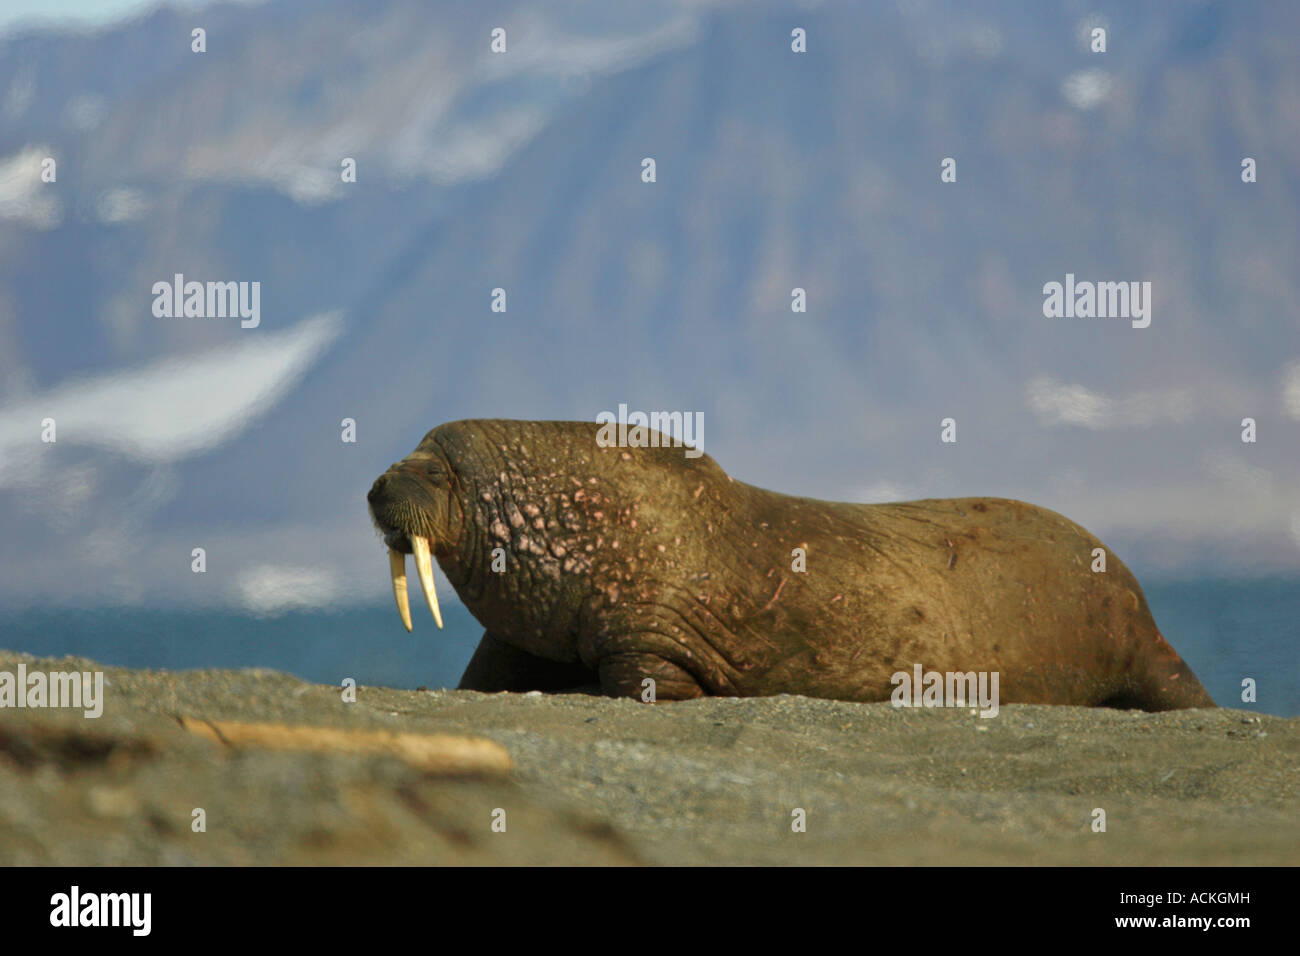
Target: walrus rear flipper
{"type": "Point", "coordinates": [1180, 694]}
{"type": "Point", "coordinates": [1168, 684]}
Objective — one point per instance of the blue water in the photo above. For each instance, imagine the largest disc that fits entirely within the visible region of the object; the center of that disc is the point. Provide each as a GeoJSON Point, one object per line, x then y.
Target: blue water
{"type": "Point", "coordinates": [1226, 631]}
{"type": "Point", "coordinates": [367, 644]}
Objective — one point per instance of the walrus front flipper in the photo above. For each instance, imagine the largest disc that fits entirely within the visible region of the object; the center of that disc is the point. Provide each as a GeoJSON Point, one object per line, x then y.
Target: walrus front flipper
{"type": "Point", "coordinates": [624, 675]}
{"type": "Point", "coordinates": [498, 666]}
{"type": "Point", "coordinates": [629, 645]}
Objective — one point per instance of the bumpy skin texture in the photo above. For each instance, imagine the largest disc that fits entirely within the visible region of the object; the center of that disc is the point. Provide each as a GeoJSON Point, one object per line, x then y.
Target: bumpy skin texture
{"type": "Point", "coordinates": [627, 563]}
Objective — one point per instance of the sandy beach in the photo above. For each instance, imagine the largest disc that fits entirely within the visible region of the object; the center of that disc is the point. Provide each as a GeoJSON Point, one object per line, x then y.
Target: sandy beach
{"type": "Point", "coordinates": [601, 781]}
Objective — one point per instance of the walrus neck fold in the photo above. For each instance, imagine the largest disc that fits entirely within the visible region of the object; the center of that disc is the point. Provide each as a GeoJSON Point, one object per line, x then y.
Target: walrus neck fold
{"type": "Point", "coordinates": [516, 547]}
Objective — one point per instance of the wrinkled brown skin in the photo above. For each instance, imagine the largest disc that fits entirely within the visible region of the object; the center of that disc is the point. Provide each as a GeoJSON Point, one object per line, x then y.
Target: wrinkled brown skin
{"type": "Point", "coordinates": [627, 563]}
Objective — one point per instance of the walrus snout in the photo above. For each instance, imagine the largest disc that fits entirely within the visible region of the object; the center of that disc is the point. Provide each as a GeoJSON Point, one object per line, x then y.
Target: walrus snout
{"type": "Point", "coordinates": [402, 501]}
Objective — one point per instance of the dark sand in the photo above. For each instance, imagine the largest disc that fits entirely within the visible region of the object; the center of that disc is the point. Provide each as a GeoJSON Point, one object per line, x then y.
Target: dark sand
{"type": "Point", "coordinates": [600, 781]}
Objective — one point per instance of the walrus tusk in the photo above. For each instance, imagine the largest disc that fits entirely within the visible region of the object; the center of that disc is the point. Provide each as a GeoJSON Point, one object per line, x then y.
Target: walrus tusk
{"type": "Point", "coordinates": [397, 567]}
{"type": "Point", "coordinates": [424, 565]}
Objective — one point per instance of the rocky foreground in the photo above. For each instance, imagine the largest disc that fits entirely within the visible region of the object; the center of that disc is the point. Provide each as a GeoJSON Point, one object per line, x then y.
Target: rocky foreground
{"type": "Point", "coordinates": [287, 772]}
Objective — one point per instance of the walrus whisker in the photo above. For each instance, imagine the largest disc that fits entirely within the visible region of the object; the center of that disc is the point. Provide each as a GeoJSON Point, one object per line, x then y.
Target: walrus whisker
{"type": "Point", "coordinates": [397, 568]}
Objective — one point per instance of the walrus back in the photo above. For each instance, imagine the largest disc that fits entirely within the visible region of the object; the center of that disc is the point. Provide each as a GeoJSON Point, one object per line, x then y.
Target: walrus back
{"type": "Point", "coordinates": [986, 584]}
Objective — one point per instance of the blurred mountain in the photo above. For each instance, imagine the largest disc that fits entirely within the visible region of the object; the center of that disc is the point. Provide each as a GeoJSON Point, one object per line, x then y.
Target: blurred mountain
{"type": "Point", "coordinates": [522, 170]}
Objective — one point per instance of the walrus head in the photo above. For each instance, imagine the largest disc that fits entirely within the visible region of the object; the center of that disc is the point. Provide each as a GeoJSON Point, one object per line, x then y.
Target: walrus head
{"type": "Point", "coordinates": [535, 523]}
{"type": "Point", "coordinates": [415, 507]}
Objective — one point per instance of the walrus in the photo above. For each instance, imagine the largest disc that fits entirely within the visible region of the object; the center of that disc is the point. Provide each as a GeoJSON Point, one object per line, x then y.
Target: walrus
{"type": "Point", "coordinates": [593, 565]}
